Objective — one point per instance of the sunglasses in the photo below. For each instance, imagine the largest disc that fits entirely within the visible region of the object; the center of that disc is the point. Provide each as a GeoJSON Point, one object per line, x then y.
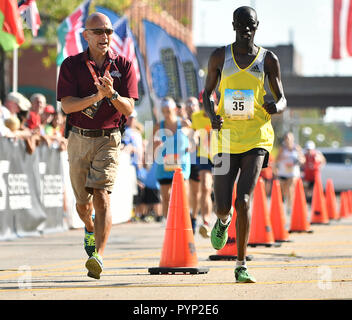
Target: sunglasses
{"type": "Point", "coordinates": [99, 32]}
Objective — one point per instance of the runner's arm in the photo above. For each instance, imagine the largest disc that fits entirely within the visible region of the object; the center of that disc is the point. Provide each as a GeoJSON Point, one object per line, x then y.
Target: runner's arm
{"type": "Point", "coordinates": [215, 64]}
{"type": "Point", "coordinates": [272, 70]}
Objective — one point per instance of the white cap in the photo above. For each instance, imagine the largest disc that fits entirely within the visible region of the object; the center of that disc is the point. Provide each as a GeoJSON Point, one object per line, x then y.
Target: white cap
{"type": "Point", "coordinates": [22, 102]}
{"type": "Point", "coordinates": [310, 145]}
{"type": "Point", "coordinates": [168, 102]}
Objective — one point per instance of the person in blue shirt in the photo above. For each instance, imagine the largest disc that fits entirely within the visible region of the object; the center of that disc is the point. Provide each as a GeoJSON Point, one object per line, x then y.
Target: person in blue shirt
{"type": "Point", "coordinates": [172, 146]}
{"type": "Point", "coordinates": [132, 142]}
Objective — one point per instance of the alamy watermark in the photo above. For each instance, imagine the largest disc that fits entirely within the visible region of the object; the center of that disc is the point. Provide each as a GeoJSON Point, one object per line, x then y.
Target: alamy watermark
{"type": "Point", "coordinates": [24, 280]}
{"type": "Point", "coordinates": [325, 278]}
{"type": "Point", "coordinates": [160, 143]}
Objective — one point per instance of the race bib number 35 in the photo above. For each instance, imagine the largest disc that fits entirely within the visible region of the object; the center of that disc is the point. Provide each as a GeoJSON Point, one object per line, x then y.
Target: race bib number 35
{"type": "Point", "coordinates": [239, 104]}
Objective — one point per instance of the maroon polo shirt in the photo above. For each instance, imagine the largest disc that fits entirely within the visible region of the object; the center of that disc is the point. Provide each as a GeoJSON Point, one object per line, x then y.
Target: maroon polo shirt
{"type": "Point", "coordinates": [76, 80]}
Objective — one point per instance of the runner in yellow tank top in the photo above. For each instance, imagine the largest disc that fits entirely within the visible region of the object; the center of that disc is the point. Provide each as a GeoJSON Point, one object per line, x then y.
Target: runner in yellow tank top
{"type": "Point", "coordinates": [243, 134]}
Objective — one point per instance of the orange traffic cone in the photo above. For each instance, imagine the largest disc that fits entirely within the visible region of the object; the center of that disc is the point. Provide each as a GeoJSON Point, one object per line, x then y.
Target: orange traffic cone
{"type": "Point", "coordinates": [349, 197]}
{"type": "Point", "coordinates": [331, 200]}
{"type": "Point", "coordinates": [179, 252]}
{"type": "Point", "coordinates": [277, 214]}
{"type": "Point", "coordinates": [343, 205]}
{"type": "Point", "coordinates": [299, 214]}
{"type": "Point", "coordinates": [261, 231]}
{"type": "Point", "coordinates": [319, 213]}
{"type": "Point", "coordinates": [229, 251]}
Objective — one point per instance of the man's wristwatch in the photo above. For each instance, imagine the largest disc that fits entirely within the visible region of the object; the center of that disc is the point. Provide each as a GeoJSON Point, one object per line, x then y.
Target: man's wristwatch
{"type": "Point", "coordinates": [114, 96]}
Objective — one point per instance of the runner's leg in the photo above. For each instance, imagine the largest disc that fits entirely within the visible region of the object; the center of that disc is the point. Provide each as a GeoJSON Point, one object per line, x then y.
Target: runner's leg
{"type": "Point", "coordinates": [251, 166]}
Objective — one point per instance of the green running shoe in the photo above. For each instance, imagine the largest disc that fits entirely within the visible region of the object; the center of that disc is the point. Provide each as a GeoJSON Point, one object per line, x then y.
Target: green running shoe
{"type": "Point", "coordinates": [94, 265]}
{"type": "Point", "coordinates": [219, 234]}
{"type": "Point", "coordinates": [242, 275]}
{"type": "Point", "coordinates": [89, 241]}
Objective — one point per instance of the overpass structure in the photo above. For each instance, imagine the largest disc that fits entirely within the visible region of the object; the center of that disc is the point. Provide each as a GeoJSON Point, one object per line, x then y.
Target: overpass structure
{"type": "Point", "coordinates": [321, 92]}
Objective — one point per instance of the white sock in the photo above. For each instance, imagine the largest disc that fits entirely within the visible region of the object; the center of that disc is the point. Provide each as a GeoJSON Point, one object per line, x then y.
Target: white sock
{"type": "Point", "coordinates": [228, 218]}
{"type": "Point", "coordinates": [241, 263]}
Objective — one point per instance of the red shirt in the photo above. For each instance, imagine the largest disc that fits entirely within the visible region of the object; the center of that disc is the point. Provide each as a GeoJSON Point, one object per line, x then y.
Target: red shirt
{"type": "Point", "coordinates": [76, 80]}
{"type": "Point", "coordinates": [311, 166]}
{"type": "Point", "coordinates": [34, 120]}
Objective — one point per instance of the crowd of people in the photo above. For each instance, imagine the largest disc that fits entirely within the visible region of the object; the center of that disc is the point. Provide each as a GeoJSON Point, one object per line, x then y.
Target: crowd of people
{"type": "Point", "coordinates": [32, 120]}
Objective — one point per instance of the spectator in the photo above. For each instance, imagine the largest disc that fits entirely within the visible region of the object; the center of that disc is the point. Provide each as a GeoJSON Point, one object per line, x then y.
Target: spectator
{"type": "Point", "coordinates": [54, 131]}
{"type": "Point", "coordinates": [4, 115]}
{"type": "Point", "coordinates": [46, 118]}
{"type": "Point", "coordinates": [13, 123]}
{"type": "Point", "coordinates": [132, 142]}
{"type": "Point", "coordinates": [58, 124]}
{"type": "Point", "coordinates": [38, 102]}
{"type": "Point", "coordinates": [18, 105]}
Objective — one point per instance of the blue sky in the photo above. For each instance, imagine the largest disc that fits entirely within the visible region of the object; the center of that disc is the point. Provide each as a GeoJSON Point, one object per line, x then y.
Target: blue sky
{"type": "Point", "coordinates": [306, 23]}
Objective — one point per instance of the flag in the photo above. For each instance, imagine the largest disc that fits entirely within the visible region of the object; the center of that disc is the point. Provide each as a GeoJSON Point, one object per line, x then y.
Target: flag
{"type": "Point", "coordinates": [71, 41]}
{"type": "Point", "coordinates": [29, 12]}
{"type": "Point", "coordinates": [130, 50]}
{"type": "Point", "coordinates": [190, 68]}
{"type": "Point", "coordinates": [144, 103]}
{"type": "Point", "coordinates": [11, 32]}
{"type": "Point", "coordinates": [164, 63]}
{"type": "Point", "coordinates": [342, 29]}
{"type": "Point", "coordinates": [122, 43]}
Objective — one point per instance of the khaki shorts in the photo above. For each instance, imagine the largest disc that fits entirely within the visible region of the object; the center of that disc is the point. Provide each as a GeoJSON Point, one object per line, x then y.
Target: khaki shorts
{"type": "Point", "coordinates": [93, 164]}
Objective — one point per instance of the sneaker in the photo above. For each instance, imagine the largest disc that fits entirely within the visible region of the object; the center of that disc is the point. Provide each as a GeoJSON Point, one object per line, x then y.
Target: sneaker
{"type": "Point", "coordinates": [89, 241]}
{"type": "Point", "coordinates": [149, 219]}
{"type": "Point", "coordinates": [204, 231]}
{"type": "Point", "coordinates": [94, 265]}
{"type": "Point", "coordinates": [219, 234]}
{"type": "Point", "coordinates": [242, 275]}
{"type": "Point", "coordinates": [159, 219]}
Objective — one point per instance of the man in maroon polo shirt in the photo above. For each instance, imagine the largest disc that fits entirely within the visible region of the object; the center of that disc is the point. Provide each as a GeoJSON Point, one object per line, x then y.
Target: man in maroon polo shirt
{"type": "Point", "coordinates": [97, 90]}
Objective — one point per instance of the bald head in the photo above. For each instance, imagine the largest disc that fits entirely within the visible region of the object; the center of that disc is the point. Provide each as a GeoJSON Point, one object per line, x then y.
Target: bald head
{"type": "Point", "coordinates": [98, 34]}
{"type": "Point", "coordinates": [245, 23]}
{"type": "Point", "coordinates": [96, 19]}
{"type": "Point", "coordinates": [244, 11]}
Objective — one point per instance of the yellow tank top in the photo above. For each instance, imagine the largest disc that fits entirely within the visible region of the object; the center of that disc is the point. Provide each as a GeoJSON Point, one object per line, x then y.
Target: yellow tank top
{"type": "Point", "coordinates": [246, 123]}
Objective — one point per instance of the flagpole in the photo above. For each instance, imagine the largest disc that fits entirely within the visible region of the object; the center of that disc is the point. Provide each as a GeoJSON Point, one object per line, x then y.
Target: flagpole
{"type": "Point", "coordinates": [337, 73]}
{"type": "Point", "coordinates": [58, 103]}
{"type": "Point", "coordinates": [15, 70]}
